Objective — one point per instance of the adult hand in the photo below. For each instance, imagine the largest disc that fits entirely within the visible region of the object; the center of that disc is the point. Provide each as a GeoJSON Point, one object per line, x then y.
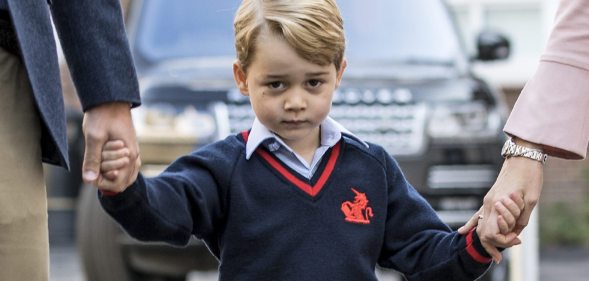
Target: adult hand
{"type": "Point", "coordinates": [519, 176]}
{"type": "Point", "coordinates": [503, 217]}
{"type": "Point", "coordinates": [110, 121]}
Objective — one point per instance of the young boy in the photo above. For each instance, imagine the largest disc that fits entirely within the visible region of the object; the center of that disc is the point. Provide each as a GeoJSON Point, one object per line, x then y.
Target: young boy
{"type": "Point", "coordinates": [297, 197]}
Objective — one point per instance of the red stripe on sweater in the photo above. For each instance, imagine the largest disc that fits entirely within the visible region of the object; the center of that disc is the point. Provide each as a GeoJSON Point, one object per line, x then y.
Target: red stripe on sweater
{"type": "Point", "coordinates": [311, 190]}
{"type": "Point", "coordinates": [470, 249]}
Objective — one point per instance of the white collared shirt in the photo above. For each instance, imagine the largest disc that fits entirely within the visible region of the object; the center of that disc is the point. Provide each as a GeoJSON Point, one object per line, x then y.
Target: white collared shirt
{"type": "Point", "coordinates": [331, 133]}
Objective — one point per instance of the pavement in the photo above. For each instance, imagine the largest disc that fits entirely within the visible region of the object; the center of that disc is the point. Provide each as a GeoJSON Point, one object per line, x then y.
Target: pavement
{"type": "Point", "coordinates": [66, 266]}
{"type": "Point", "coordinates": [556, 264]}
{"type": "Point", "coordinates": [65, 263]}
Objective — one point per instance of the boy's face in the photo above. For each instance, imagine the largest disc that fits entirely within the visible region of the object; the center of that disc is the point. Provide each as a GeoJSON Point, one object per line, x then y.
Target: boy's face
{"type": "Point", "coordinates": [289, 95]}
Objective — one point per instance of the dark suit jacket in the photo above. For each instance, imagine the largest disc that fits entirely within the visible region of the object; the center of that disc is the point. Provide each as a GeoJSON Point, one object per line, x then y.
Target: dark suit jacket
{"type": "Point", "coordinates": [95, 45]}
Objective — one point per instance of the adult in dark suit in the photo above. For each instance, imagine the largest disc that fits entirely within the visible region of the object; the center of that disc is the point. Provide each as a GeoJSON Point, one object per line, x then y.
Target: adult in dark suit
{"type": "Point", "coordinates": [32, 119]}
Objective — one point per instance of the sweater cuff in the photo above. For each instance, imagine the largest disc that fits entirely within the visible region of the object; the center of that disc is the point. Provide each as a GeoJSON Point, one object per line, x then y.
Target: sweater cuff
{"type": "Point", "coordinates": [109, 193]}
{"type": "Point", "coordinates": [106, 193]}
{"type": "Point", "coordinates": [112, 198]}
{"type": "Point", "coordinates": [475, 248]}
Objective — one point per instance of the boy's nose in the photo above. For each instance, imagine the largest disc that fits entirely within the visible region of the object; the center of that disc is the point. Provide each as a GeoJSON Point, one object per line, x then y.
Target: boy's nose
{"type": "Point", "coordinates": [295, 100]}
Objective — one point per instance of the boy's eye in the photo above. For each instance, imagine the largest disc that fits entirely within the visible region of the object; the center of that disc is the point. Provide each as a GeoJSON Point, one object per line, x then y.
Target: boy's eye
{"type": "Point", "coordinates": [314, 83]}
{"type": "Point", "coordinates": [276, 85]}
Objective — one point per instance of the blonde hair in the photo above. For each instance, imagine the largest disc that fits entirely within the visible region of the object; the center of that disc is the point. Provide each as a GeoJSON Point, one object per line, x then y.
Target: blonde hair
{"type": "Point", "coordinates": [313, 28]}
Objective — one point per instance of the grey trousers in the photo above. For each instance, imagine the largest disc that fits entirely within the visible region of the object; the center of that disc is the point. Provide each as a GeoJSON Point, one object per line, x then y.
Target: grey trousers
{"type": "Point", "coordinates": [24, 245]}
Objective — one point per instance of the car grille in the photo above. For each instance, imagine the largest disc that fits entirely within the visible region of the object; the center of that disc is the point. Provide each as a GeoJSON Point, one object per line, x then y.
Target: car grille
{"type": "Point", "coordinates": [397, 126]}
{"type": "Point", "coordinates": [461, 176]}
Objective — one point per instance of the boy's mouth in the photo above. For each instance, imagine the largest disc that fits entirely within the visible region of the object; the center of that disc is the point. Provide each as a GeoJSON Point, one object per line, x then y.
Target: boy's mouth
{"type": "Point", "coordinates": [293, 122]}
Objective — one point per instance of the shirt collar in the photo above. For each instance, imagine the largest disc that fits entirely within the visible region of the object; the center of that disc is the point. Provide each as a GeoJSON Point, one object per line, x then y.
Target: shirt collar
{"type": "Point", "coordinates": [331, 133]}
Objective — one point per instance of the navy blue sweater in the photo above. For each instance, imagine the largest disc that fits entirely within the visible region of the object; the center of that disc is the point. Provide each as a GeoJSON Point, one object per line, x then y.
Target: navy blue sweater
{"type": "Point", "coordinates": [264, 221]}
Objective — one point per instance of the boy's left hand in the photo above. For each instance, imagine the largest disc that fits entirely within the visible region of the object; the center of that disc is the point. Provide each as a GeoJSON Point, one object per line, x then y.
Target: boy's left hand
{"type": "Point", "coordinates": [507, 211]}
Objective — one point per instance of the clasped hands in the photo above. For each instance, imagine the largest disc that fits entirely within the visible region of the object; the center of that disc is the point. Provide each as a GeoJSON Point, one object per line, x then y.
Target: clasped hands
{"type": "Point", "coordinates": [103, 124]}
{"type": "Point", "coordinates": [518, 189]}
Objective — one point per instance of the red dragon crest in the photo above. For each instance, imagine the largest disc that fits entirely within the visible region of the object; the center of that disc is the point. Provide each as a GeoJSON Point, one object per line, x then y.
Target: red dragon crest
{"type": "Point", "coordinates": [357, 211]}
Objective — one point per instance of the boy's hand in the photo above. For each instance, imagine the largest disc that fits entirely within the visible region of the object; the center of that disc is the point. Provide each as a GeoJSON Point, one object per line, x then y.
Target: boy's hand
{"type": "Point", "coordinates": [507, 212]}
{"type": "Point", "coordinates": [115, 156]}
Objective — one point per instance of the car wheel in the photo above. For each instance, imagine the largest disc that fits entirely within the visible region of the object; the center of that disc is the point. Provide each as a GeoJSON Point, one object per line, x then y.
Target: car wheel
{"type": "Point", "coordinates": [101, 254]}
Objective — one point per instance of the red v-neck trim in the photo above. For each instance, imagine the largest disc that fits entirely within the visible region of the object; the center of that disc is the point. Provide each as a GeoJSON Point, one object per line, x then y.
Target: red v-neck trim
{"type": "Point", "coordinates": [311, 190]}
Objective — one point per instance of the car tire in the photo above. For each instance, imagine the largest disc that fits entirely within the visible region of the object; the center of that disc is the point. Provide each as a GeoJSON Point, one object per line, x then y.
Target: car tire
{"type": "Point", "coordinates": [102, 256]}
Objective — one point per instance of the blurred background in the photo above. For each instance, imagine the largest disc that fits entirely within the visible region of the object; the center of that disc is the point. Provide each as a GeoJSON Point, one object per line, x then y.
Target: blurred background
{"type": "Point", "coordinates": [449, 79]}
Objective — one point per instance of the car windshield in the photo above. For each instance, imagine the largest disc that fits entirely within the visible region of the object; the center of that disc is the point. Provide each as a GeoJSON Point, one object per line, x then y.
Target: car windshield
{"type": "Point", "coordinates": [377, 31]}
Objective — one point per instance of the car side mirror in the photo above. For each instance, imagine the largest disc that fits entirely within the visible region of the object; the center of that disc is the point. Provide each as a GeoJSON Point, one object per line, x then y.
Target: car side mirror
{"type": "Point", "coordinates": [492, 46]}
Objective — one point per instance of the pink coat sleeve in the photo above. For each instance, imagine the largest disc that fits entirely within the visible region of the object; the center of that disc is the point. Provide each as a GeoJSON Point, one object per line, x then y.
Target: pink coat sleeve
{"type": "Point", "coordinates": [553, 108]}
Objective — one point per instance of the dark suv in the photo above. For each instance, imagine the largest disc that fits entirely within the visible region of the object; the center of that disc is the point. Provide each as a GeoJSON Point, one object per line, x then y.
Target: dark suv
{"type": "Point", "coordinates": [408, 87]}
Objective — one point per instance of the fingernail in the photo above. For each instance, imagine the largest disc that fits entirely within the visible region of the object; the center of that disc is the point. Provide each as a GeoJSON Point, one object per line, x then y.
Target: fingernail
{"type": "Point", "coordinates": [90, 175]}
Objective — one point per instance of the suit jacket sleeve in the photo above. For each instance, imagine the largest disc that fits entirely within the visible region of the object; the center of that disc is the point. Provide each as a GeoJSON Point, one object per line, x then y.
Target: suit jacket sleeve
{"type": "Point", "coordinates": [553, 108]}
{"type": "Point", "coordinates": [94, 41]}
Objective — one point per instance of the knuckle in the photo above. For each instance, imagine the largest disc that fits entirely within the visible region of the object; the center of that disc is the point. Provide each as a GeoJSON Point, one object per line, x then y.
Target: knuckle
{"type": "Point", "coordinates": [487, 237]}
{"type": "Point", "coordinates": [510, 203]}
{"type": "Point", "coordinates": [94, 135]}
{"type": "Point", "coordinates": [133, 154]}
{"type": "Point", "coordinates": [532, 202]}
{"type": "Point", "coordinates": [487, 200]}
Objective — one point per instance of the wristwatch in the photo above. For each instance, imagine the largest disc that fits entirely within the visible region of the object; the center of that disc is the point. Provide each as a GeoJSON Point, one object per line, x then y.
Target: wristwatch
{"type": "Point", "coordinates": [510, 149]}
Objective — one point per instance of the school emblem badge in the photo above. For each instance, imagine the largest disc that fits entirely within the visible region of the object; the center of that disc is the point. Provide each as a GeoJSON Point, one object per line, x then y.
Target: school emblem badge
{"type": "Point", "coordinates": [357, 211]}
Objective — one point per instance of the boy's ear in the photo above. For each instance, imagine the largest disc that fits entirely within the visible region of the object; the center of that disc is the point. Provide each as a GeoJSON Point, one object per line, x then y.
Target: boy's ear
{"type": "Point", "coordinates": [240, 78]}
{"type": "Point", "coordinates": [340, 72]}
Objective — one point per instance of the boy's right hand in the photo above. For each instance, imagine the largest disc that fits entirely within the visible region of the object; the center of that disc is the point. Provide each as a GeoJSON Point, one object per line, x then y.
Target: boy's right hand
{"type": "Point", "coordinates": [115, 156]}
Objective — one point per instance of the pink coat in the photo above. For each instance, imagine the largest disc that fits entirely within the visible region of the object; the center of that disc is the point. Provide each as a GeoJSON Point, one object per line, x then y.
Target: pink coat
{"type": "Point", "coordinates": [553, 108]}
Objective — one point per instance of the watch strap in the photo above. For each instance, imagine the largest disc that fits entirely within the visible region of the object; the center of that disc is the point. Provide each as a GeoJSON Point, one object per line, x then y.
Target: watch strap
{"type": "Point", "coordinates": [511, 149]}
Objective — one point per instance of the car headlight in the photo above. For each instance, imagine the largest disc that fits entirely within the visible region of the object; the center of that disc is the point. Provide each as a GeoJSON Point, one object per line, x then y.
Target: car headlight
{"type": "Point", "coordinates": [463, 121]}
{"type": "Point", "coordinates": [165, 122]}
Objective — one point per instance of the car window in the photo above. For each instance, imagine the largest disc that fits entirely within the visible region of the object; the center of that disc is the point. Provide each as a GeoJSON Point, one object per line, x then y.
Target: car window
{"type": "Point", "coordinates": [186, 28]}
{"type": "Point", "coordinates": [415, 31]}
{"type": "Point", "coordinates": [399, 31]}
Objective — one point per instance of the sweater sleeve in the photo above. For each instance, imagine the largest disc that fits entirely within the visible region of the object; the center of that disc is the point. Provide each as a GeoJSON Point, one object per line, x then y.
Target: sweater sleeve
{"type": "Point", "coordinates": [143, 211]}
{"type": "Point", "coordinates": [186, 199]}
{"type": "Point", "coordinates": [553, 108]}
{"type": "Point", "coordinates": [419, 245]}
